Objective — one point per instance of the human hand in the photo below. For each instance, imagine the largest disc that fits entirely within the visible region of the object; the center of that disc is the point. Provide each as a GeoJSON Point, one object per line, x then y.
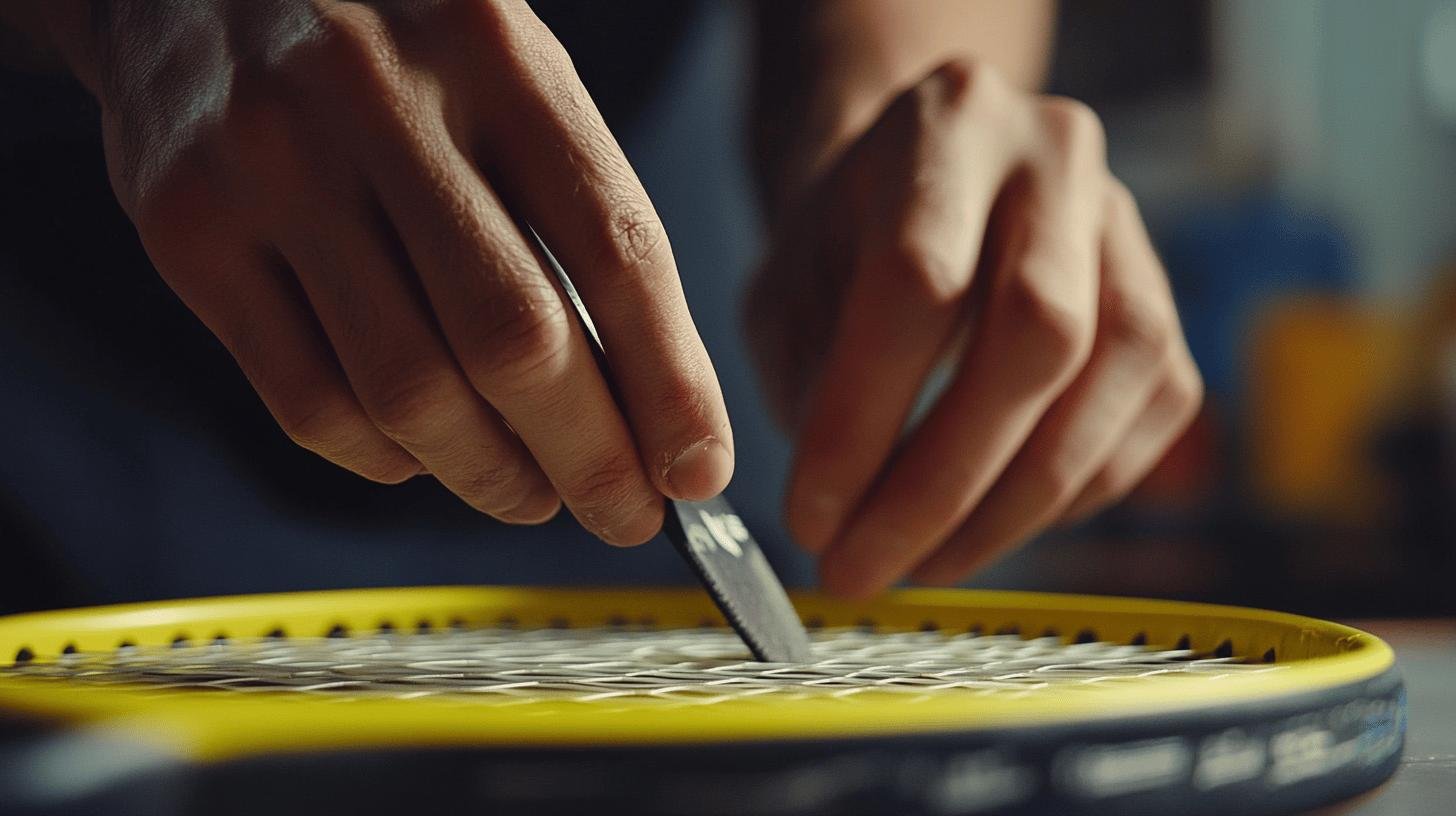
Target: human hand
{"type": "Point", "coordinates": [979, 221]}
{"type": "Point", "coordinates": [334, 188]}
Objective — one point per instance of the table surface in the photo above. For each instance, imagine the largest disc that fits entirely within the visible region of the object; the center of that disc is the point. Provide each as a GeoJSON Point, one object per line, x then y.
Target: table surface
{"type": "Point", "coordinates": [1426, 782]}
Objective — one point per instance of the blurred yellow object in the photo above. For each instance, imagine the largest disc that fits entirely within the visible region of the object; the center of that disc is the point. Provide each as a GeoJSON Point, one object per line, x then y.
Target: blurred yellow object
{"type": "Point", "coordinates": [1326, 375]}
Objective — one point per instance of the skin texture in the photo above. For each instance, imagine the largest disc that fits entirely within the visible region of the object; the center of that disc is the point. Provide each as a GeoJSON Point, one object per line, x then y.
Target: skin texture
{"type": "Point", "coordinates": [337, 189]}
{"type": "Point", "coordinates": [977, 223]}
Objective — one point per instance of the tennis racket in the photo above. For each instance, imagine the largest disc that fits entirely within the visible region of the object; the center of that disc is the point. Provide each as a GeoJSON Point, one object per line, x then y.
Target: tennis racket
{"type": "Point", "coordinates": [522, 700]}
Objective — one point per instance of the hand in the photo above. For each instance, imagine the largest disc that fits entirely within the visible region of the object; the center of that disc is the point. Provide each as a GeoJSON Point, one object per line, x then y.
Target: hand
{"type": "Point", "coordinates": [334, 188]}
{"type": "Point", "coordinates": [976, 221]}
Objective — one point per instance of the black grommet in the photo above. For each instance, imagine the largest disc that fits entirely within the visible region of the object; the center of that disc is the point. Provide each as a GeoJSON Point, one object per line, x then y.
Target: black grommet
{"type": "Point", "coordinates": [1225, 649]}
{"type": "Point", "coordinates": [276, 633]}
{"type": "Point", "coordinates": [23, 656]}
{"type": "Point", "coordinates": [69, 649]}
{"type": "Point", "coordinates": [338, 630]}
{"type": "Point", "coordinates": [1184, 643]}
{"type": "Point", "coordinates": [1140, 639]}
{"type": "Point", "coordinates": [1269, 656]}
{"type": "Point", "coordinates": [179, 642]}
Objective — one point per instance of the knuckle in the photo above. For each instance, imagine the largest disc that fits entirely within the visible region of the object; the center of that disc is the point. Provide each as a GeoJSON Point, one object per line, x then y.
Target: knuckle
{"type": "Point", "coordinates": [495, 487]}
{"type": "Point", "coordinates": [315, 422]}
{"type": "Point", "coordinates": [1186, 387]}
{"type": "Point", "coordinates": [1060, 483]}
{"type": "Point", "coordinates": [607, 484]}
{"type": "Point", "coordinates": [925, 269]}
{"type": "Point", "coordinates": [1058, 333]}
{"type": "Point", "coordinates": [401, 399]}
{"type": "Point", "coordinates": [636, 240]}
{"type": "Point", "coordinates": [610, 496]}
{"type": "Point", "coordinates": [958, 82]}
{"type": "Point", "coordinates": [1121, 203]}
{"type": "Point", "coordinates": [1134, 325]}
{"type": "Point", "coordinates": [1072, 126]}
{"type": "Point", "coordinates": [972, 81]}
{"type": "Point", "coordinates": [520, 343]}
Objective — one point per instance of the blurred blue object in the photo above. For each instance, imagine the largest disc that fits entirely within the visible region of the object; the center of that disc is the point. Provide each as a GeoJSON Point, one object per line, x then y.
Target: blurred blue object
{"type": "Point", "coordinates": [1228, 258]}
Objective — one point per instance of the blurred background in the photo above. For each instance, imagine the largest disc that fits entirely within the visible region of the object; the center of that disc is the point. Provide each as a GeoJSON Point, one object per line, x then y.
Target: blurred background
{"type": "Point", "coordinates": [1296, 162]}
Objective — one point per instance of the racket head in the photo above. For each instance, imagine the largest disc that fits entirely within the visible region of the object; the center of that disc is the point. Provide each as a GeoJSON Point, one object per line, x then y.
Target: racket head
{"type": "Point", "coordinates": [1320, 704]}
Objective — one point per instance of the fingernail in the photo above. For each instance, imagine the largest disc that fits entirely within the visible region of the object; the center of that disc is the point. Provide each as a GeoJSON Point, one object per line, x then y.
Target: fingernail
{"type": "Point", "coordinates": [814, 517]}
{"type": "Point", "coordinates": [701, 471]}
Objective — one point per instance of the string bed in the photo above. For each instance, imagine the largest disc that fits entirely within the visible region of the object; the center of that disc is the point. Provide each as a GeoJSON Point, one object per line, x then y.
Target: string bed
{"type": "Point", "coordinates": [503, 666]}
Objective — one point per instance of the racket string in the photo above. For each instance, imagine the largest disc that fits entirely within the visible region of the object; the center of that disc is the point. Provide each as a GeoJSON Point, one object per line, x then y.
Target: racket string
{"type": "Point", "coordinates": [686, 666]}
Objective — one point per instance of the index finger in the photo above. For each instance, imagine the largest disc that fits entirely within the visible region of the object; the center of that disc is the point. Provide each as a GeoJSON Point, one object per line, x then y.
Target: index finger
{"type": "Point", "coordinates": [558, 167]}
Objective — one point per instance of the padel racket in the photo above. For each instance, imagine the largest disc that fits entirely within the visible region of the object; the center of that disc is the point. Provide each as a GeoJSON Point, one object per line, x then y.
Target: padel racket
{"type": "Point", "coordinates": [507, 700]}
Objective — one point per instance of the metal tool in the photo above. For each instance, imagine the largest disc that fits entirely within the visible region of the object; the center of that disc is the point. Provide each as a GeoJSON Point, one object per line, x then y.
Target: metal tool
{"type": "Point", "coordinates": [715, 542]}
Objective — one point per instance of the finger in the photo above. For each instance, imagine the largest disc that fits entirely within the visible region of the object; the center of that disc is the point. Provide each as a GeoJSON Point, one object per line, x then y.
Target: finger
{"type": "Point", "coordinates": [1137, 327]}
{"type": "Point", "coordinates": [1036, 336]}
{"type": "Point", "coordinates": [560, 169]}
{"type": "Point", "coordinates": [282, 351]}
{"type": "Point", "coordinates": [360, 287]}
{"type": "Point", "coordinates": [510, 330]}
{"type": "Point", "coordinates": [249, 299]}
{"type": "Point", "coordinates": [906, 296]}
{"type": "Point", "coordinates": [1162, 421]}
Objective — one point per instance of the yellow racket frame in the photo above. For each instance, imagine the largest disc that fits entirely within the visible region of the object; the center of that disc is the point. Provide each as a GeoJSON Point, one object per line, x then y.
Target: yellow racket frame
{"type": "Point", "coordinates": [1311, 655]}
